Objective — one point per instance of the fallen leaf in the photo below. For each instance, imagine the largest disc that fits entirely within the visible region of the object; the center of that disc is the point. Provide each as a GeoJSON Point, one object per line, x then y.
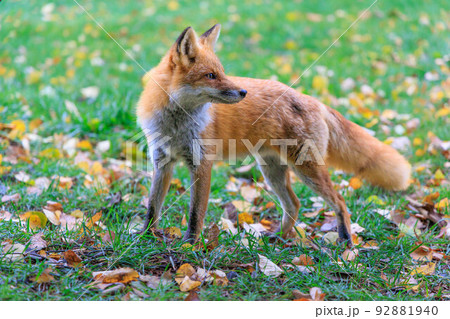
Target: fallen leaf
{"type": "Point", "coordinates": [53, 206]}
{"type": "Point", "coordinates": [249, 193]}
{"type": "Point", "coordinates": [173, 232]}
{"type": "Point", "coordinates": [188, 284]}
{"type": "Point", "coordinates": [426, 270]}
{"type": "Point", "coordinates": [422, 253]}
{"type": "Point", "coordinates": [268, 267]}
{"type": "Point", "coordinates": [185, 270]}
{"type": "Point", "coordinates": [331, 237]}
{"type": "Point", "coordinates": [303, 260]}
{"type": "Point", "coordinates": [245, 218]}
{"type": "Point", "coordinates": [37, 242]}
{"type": "Point", "coordinates": [53, 216]}
{"type": "Point", "coordinates": [121, 275]}
{"type": "Point", "coordinates": [44, 277]}
{"type": "Point", "coordinates": [13, 252]}
{"type": "Point", "coordinates": [22, 177]}
{"type": "Point", "coordinates": [11, 198]}
{"type": "Point", "coordinates": [35, 219]}
{"type": "Point", "coordinates": [316, 294]}
{"type": "Point", "coordinates": [192, 296]}
{"type": "Point", "coordinates": [72, 258]}
{"type": "Point", "coordinates": [350, 254]}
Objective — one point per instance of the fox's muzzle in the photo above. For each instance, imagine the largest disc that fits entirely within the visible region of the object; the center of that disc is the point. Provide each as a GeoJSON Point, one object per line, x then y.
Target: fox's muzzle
{"type": "Point", "coordinates": [233, 96]}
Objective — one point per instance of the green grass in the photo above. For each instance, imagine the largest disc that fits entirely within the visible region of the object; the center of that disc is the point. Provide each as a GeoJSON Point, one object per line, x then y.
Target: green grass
{"type": "Point", "coordinates": [263, 40]}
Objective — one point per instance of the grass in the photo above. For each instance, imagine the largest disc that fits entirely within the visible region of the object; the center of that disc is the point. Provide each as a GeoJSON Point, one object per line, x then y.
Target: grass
{"type": "Point", "coordinates": [391, 50]}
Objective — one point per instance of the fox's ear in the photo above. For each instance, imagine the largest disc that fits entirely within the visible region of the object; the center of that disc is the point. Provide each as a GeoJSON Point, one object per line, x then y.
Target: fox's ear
{"type": "Point", "coordinates": [187, 45]}
{"type": "Point", "coordinates": [210, 37]}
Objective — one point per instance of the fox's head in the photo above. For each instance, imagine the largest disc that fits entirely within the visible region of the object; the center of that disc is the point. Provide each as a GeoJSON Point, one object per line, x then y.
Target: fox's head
{"type": "Point", "coordinates": [197, 74]}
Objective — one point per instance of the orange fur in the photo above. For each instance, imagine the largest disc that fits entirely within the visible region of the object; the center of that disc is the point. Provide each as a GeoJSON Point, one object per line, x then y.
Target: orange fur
{"type": "Point", "coordinates": [270, 111]}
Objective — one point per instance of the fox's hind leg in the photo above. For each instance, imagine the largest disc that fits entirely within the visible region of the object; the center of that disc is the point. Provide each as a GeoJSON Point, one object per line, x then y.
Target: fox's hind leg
{"type": "Point", "coordinates": [276, 175]}
{"type": "Point", "coordinates": [317, 178]}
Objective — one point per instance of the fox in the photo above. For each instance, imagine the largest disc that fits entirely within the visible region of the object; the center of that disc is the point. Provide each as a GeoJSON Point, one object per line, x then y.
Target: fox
{"type": "Point", "coordinates": [188, 97]}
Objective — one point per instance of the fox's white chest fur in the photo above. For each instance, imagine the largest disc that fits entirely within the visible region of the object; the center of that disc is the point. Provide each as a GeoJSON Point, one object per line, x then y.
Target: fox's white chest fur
{"type": "Point", "coordinates": [172, 131]}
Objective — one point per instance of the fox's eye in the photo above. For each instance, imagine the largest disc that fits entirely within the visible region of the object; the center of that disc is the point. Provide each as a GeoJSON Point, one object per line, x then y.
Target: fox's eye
{"type": "Point", "coordinates": [211, 76]}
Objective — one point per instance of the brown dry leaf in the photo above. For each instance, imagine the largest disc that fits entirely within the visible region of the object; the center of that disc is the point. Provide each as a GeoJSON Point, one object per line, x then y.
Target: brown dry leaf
{"type": "Point", "coordinates": [303, 260]}
{"type": "Point", "coordinates": [426, 270]}
{"type": "Point", "coordinates": [192, 296]}
{"type": "Point", "coordinates": [53, 206]}
{"type": "Point", "coordinates": [300, 296]}
{"type": "Point", "coordinates": [422, 253]}
{"type": "Point", "coordinates": [188, 284]}
{"type": "Point", "coordinates": [38, 242]}
{"type": "Point", "coordinates": [73, 260]}
{"type": "Point", "coordinates": [213, 236]}
{"type": "Point", "coordinates": [121, 275]}
{"type": "Point", "coordinates": [11, 198]}
{"type": "Point", "coordinates": [44, 278]}
{"type": "Point", "coordinates": [109, 237]}
{"type": "Point", "coordinates": [268, 267]}
{"type": "Point", "coordinates": [350, 254]}
{"type": "Point", "coordinates": [183, 271]}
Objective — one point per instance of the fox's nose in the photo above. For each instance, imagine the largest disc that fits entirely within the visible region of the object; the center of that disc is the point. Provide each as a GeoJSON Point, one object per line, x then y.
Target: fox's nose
{"type": "Point", "coordinates": [243, 92]}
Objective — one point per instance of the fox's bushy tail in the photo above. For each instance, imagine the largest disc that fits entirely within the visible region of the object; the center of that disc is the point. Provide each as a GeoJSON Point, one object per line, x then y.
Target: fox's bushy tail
{"type": "Point", "coordinates": [353, 150]}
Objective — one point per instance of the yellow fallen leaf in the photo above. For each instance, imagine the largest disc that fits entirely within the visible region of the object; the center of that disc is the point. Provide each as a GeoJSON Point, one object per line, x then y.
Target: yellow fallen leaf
{"type": "Point", "coordinates": [84, 145]}
{"type": "Point", "coordinates": [426, 270]}
{"type": "Point", "coordinates": [439, 174]}
{"type": "Point", "coordinates": [188, 284]}
{"type": "Point", "coordinates": [122, 275]}
{"type": "Point", "coordinates": [35, 219]}
{"type": "Point", "coordinates": [245, 218]}
{"type": "Point", "coordinates": [183, 271]}
{"type": "Point", "coordinates": [376, 200]}
{"type": "Point", "coordinates": [443, 204]}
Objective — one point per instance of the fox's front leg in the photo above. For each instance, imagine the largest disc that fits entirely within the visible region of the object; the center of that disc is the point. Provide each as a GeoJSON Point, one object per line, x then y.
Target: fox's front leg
{"type": "Point", "coordinates": [158, 191]}
{"type": "Point", "coordinates": [201, 184]}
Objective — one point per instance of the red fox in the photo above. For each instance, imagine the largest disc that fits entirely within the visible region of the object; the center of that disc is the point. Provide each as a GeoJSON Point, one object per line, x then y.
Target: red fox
{"type": "Point", "coordinates": [188, 98]}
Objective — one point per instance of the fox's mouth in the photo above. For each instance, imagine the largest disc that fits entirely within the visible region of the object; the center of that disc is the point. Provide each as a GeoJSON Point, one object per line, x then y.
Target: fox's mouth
{"type": "Point", "coordinates": [230, 96]}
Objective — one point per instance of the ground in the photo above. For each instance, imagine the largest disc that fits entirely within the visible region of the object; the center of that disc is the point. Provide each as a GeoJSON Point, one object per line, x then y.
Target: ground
{"type": "Point", "coordinates": [67, 104]}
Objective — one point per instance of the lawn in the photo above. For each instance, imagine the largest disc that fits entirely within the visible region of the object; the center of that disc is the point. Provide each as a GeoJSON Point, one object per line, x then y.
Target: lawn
{"type": "Point", "coordinates": [69, 201]}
